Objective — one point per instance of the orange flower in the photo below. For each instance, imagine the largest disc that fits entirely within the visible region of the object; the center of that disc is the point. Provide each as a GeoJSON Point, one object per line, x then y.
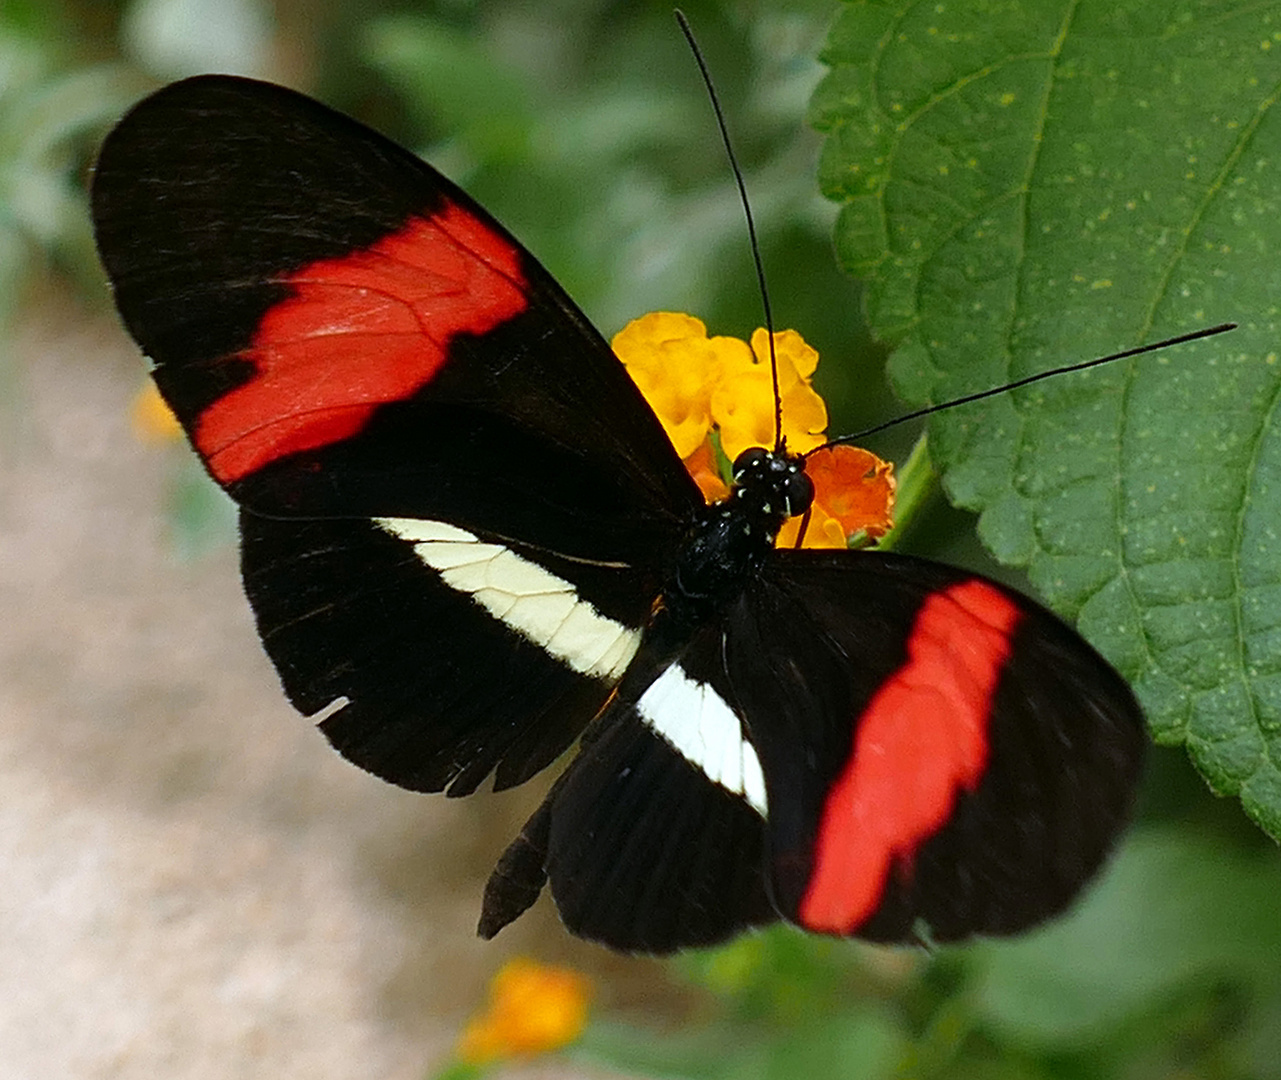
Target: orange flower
{"type": "Point", "coordinates": [151, 418]}
{"type": "Point", "coordinates": [702, 467]}
{"type": "Point", "coordinates": [533, 1008]}
{"type": "Point", "coordinates": [698, 385]}
{"type": "Point", "coordinates": [853, 499]}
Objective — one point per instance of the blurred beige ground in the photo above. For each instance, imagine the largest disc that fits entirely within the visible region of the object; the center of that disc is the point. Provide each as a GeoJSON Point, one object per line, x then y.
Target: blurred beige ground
{"type": "Point", "coordinates": [192, 884]}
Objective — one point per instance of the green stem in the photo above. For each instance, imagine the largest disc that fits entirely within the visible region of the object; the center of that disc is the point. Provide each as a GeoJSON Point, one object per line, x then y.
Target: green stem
{"type": "Point", "coordinates": [917, 484]}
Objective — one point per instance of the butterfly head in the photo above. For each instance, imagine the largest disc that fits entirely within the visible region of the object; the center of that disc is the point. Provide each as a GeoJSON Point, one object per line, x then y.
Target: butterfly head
{"type": "Point", "coordinates": [772, 483]}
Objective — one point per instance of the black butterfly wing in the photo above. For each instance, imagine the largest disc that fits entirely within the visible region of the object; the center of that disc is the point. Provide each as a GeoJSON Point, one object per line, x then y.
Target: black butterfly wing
{"type": "Point", "coordinates": [343, 332]}
{"type": "Point", "coordinates": [944, 757]}
{"type": "Point", "coordinates": [654, 839]}
{"type": "Point", "coordinates": [436, 679]}
{"type": "Point", "coordinates": [938, 757]}
{"type": "Point", "coordinates": [447, 480]}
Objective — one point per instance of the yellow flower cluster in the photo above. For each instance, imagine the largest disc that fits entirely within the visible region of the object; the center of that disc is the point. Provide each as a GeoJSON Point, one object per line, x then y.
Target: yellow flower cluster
{"type": "Point", "coordinates": [697, 385]}
{"type": "Point", "coordinates": [694, 383]}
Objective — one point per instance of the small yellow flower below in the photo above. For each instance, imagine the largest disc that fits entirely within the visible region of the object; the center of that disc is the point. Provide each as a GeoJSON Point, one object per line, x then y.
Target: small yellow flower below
{"type": "Point", "coordinates": [694, 383]}
{"type": "Point", "coordinates": [533, 1008]}
{"type": "Point", "coordinates": [743, 402]}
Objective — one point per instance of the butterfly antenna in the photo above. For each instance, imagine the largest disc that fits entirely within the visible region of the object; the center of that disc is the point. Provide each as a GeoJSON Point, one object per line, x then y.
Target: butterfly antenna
{"type": "Point", "coordinates": [929, 410]}
{"type": "Point", "coordinates": [751, 224]}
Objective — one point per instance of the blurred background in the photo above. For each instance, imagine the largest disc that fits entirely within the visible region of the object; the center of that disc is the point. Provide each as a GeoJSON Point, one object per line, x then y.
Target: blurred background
{"type": "Point", "coordinates": [195, 885]}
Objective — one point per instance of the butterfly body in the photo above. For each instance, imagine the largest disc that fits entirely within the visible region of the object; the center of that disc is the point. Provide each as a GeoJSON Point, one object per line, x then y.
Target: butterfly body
{"type": "Point", "coordinates": [469, 545]}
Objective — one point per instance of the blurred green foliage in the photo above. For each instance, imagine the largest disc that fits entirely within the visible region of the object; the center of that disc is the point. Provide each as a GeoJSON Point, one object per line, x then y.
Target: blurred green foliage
{"type": "Point", "coordinates": [1168, 968]}
{"type": "Point", "coordinates": [582, 125]}
{"type": "Point", "coordinates": [54, 103]}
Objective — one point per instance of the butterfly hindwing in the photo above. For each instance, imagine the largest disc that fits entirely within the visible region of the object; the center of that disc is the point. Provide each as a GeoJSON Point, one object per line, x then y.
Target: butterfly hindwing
{"type": "Point", "coordinates": [667, 862]}
{"type": "Point", "coordinates": [644, 851]}
{"type": "Point", "coordinates": [939, 757]}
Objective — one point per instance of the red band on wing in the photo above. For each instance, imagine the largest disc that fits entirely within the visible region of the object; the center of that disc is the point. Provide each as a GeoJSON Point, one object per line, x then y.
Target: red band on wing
{"type": "Point", "coordinates": [921, 739]}
{"type": "Point", "coordinates": [367, 328]}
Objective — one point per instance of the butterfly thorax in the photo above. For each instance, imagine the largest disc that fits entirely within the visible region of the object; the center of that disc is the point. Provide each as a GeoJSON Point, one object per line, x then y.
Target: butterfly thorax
{"type": "Point", "coordinates": [731, 537]}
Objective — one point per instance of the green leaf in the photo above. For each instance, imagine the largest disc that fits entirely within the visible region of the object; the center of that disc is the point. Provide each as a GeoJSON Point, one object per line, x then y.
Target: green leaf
{"type": "Point", "coordinates": [1174, 910]}
{"type": "Point", "coordinates": [1027, 183]}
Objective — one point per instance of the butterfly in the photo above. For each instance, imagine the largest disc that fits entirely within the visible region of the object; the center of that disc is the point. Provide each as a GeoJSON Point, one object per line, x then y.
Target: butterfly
{"type": "Point", "coordinates": [469, 546]}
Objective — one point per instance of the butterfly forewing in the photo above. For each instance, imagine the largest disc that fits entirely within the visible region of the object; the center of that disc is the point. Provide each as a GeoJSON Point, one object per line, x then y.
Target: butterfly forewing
{"type": "Point", "coordinates": [343, 332]}
{"type": "Point", "coordinates": [437, 688]}
{"type": "Point", "coordinates": [457, 508]}
{"type": "Point", "coordinates": [958, 761]}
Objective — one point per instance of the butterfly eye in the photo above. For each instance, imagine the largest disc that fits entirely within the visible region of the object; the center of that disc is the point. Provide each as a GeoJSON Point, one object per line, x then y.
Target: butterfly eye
{"type": "Point", "coordinates": [749, 460]}
{"type": "Point", "coordinates": [798, 493]}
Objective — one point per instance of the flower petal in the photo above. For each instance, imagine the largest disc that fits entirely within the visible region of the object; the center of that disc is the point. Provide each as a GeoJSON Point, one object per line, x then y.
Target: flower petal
{"type": "Point", "coordinates": [823, 531]}
{"type": "Point", "coordinates": [151, 418]}
{"type": "Point", "coordinates": [789, 347]}
{"type": "Point", "coordinates": [855, 487]}
{"type": "Point", "coordinates": [742, 407]}
{"type": "Point", "coordinates": [804, 418]}
{"type": "Point", "coordinates": [677, 367]}
{"type": "Point", "coordinates": [702, 466]}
